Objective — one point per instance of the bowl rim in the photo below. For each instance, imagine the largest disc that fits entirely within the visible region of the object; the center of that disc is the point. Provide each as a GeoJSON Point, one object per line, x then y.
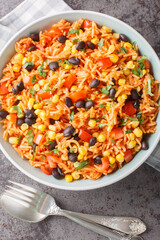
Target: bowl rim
{"type": "Point", "coordinates": [101, 184]}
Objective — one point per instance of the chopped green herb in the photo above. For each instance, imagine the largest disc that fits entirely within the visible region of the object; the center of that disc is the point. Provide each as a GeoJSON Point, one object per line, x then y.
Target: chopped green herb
{"type": "Point", "coordinates": [42, 157]}
{"type": "Point", "coordinates": [33, 154]}
{"type": "Point", "coordinates": [117, 51]}
{"type": "Point", "coordinates": [41, 72]}
{"type": "Point", "coordinates": [45, 134]}
{"type": "Point", "coordinates": [132, 119]}
{"type": "Point", "coordinates": [28, 64]}
{"type": "Point", "coordinates": [83, 49]}
{"type": "Point", "coordinates": [59, 60]}
{"type": "Point", "coordinates": [123, 122]}
{"type": "Point", "coordinates": [72, 150]}
{"type": "Point", "coordinates": [56, 151]}
{"type": "Point", "coordinates": [102, 125]}
{"type": "Point", "coordinates": [72, 31]}
{"type": "Point", "coordinates": [55, 86]}
{"type": "Point", "coordinates": [75, 40]}
{"type": "Point", "coordinates": [32, 92]}
{"type": "Point", "coordinates": [71, 116]}
{"type": "Point", "coordinates": [97, 119]}
{"type": "Point", "coordinates": [100, 43]}
{"type": "Point", "coordinates": [19, 139]}
{"type": "Point", "coordinates": [150, 80]}
{"type": "Point", "coordinates": [102, 105]}
{"type": "Point", "coordinates": [81, 164]}
{"type": "Point", "coordinates": [66, 62]}
{"type": "Point", "coordinates": [123, 50]}
{"type": "Point", "coordinates": [88, 99]}
{"type": "Point", "coordinates": [18, 109]}
{"type": "Point", "coordinates": [111, 165]}
{"type": "Point", "coordinates": [47, 143]}
{"type": "Point", "coordinates": [142, 59]}
{"type": "Point", "coordinates": [141, 120]}
{"type": "Point", "coordinates": [134, 45]}
{"type": "Point", "coordinates": [30, 138]}
{"type": "Point", "coordinates": [145, 87]}
{"type": "Point", "coordinates": [47, 100]}
{"type": "Point", "coordinates": [128, 131]}
{"type": "Point", "coordinates": [135, 72]}
{"type": "Point", "coordinates": [106, 89]}
{"type": "Point", "coordinates": [34, 79]}
{"type": "Point", "coordinates": [112, 140]}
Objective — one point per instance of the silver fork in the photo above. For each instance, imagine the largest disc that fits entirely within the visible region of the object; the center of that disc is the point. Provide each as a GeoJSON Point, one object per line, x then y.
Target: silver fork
{"type": "Point", "coordinates": [33, 205]}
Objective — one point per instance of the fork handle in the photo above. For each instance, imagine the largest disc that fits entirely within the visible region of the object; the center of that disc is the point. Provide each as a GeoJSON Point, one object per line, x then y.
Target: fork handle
{"type": "Point", "coordinates": [110, 234]}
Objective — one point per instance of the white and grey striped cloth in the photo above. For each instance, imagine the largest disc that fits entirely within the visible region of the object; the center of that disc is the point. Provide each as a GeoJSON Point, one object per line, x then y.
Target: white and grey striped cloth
{"type": "Point", "coordinates": [31, 10]}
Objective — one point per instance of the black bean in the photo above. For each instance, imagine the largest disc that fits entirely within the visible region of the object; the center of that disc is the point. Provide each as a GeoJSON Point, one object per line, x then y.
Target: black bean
{"type": "Point", "coordinates": [62, 39]}
{"type": "Point", "coordinates": [94, 83]}
{"type": "Point", "coordinates": [123, 37]}
{"type": "Point", "coordinates": [34, 146]}
{"type": "Point", "coordinates": [52, 145]}
{"type": "Point", "coordinates": [53, 66]}
{"type": "Point", "coordinates": [35, 36]}
{"type": "Point", "coordinates": [51, 121]}
{"type": "Point", "coordinates": [144, 145]}
{"type": "Point", "coordinates": [60, 171]}
{"type": "Point", "coordinates": [29, 67]}
{"type": "Point", "coordinates": [72, 157]}
{"type": "Point", "coordinates": [112, 93]}
{"type": "Point", "coordinates": [136, 104]}
{"type": "Point", "coordinates": [56, 173]}
{"type": "Point", "coordinates": [20, 86]}
{"type": "Point", "coordinates": [17, 102]}
{"type": "Point", "coordinates": [80, 104]}
{"type": "Point", "coordinates": [30, 114]}
{"type": "Point", "coordinates": [3, 113]}
{"type": "Point", "coordinates": [134, 94]}
{"type": "Point", "coordinates": [76, 137]}
{"type": "Point", "coordinates": [15, 90]}
{"type": "Point", "coordinates": [30, 121]}
{"type": "Point", "coordinates": [32, 48]}
{"type": "Point", "coordinates": [74, 61]}
{"type": "Point", "coordinates": [98, 160]}
{"type": "Point", "coordinates": [68, 102]}
{"type": "Point", "coordinates": [68, 131]}
{"type": "Point", "coordinates": [92, 141]}
{"type": "Point", "coordinates": [91, 45]}
{"type": "Point", "coordinates": [89, 104]}
{"type": "Point", "coordinates": [80, 45]}
{"type": "Point", "coordinates": [114, 81]}
{"type": "Point", "coordinates": [20, 121]}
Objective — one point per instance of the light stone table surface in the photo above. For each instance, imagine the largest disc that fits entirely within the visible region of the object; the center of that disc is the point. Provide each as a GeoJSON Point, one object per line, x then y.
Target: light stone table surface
{"type": "Point", "coordinates": [137, 195]}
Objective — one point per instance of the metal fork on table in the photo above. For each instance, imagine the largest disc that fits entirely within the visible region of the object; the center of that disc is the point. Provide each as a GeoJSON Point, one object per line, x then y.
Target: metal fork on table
{"type": "Point", "coordinates": [33, 205]}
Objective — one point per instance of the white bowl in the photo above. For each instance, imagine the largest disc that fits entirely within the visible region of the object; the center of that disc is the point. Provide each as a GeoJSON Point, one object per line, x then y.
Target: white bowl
{"type": "Point", "coordinates": [145, 48]}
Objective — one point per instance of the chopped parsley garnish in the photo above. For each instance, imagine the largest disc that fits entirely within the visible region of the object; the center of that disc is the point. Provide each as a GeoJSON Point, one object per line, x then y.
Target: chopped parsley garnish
{"type": "Point", "coordinates": [141, 120]}
{"type": "Point", "coordinates": [41, 72]}
{"type": "Point", "coordinates": [106, 89]}
{"type": "Point", "coordinates": [47, 143]}
{"type": "Point", "coordinates": [42, 157]}
{"type": "Point", "coordinates": [30, 138]}
{"type": "Point", "coordinates": [135, 72]}
{"type": "Point", "coordinates": [32, 92]}
{"type": "Point", "coordinates": [123, 122]}
{"type": "Point", "coordinates": [56, 151]}
{"type": "Point", "coordinates": [66, 62]}
{"type": "Point", "coordinates": [82, 50]}
{"type": "Point", "coordinates": [88, 99]}
{"type": "Point", "coordinates": [72, 31]}
{"type": "Point", "coordinates": [33, 155]}
{"type": "Point", "coordinates": [47, 100]}
{"type": "Point", "coordinates": [112, 140]}
{"type": "Point", "coordinates": [100, 43]}
{"type": "Point", "coordinates": [123, 50]}
{"type": "Point", "coordinates": [128, 131]}
{"type": "Point", "coordinates": [102, 125]}
{"type": "Point", "coordinates": [18, 109]}
{"type": "Point", "coordinates": [71, 116]}
{"type": "Point", "coordinates": [81, 164]}
{"type": "Point", "coordinates": [59, 60]}
{"type": "Point", "coordinates": [34, 79]}
{"type": "Point", "coordinates": [72, 150]}
{"type": "Point", "coordinates": [117, 51]}
{"type": "Point", "coordinates": [111, 165]}
{"type": "Point", "coordinates": [150, 80]}
{"type": "Point", "coordinates": [55, 86]}
{"type": "Point", "coordinates": [19, 139]}
{"type": "Point", "coordinates": [142, 59]}
{"type": "Point", "coordinates": [97, 119]}
{"type": "Point", "coordinates": [28, 64]}
{"type": "Point", "coordinates": [75, 40]}
{"type": "Point", "coordinates": [103, 105]}
{"type": "Point", "coordinates": [134, 45]}
{"type": "Point", "coordinates": [132, 119]}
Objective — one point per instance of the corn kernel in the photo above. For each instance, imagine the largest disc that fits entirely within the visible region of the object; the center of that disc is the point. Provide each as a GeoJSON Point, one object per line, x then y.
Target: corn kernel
{"type": "Point", "coordinates": [130, 65]}
{"type": "Point", "coordinates": [135, 124]}
{"type": "Point", "coordinates": [24, 60]}
{"type": "Point", "coordinates": [52, 127]}
{"type": "Point", "coordinates": [114, 58]}
{"type": "Point", "coordinates": [67, 49]}
{"type": "Point", "coordinates": [14, 140]}
{"type": "Point", "coordinates": [109, 128]}
{"type": "Point", "coordinates": [30, 103]}
{"type": "Point", "coordinates": [120, 158]}
{"type": "Point", "coordinates": [42, 83]}
{"type": "Point", "coordinates": [82, 151]}
{"type": "Point", "coordinates": [42, 127]}
{"type": "Point", "coordinates": [16, 68]}
{"type": "Point", "coordinates": [126, 72]}
{"type": "Point", "coordinates": [107, 107]}
{"type": "Point", "coordinates": [119, 99]}
{"type": "Point", "coordinates": [138, 89]}
{"type": "Point", "coordinates": [144, 72]}
{"type": "Point", "coordinates": [86, 144]}
{"type": "Point", "coordinates": [67, 66]}
{"type": "Point", "coordinates": [73, 88]}
{"type": "Point", "coordinates": [55, 98]}
{"type": "Point", "coordinates": [37, 106]}
{"type": "Point", "coordinates": [107, 29]}
{"type": "Point", "coordinates": [59, 135]}
{"type": "Point", "coordinates": [124, 97]}
{"type": "Point", "coordinates": [64, 157]}
{"type": "Point", "coordinates": [74, 50]}
{"type": "Point", "coordinates": [112, 160]}
{"type": "Point", "coordinates": [80, 31]}
{"type": "Point", "coordinates": [134, 57]}
{"type": "Point", "coordinates": [42, 115]}
{"type": "Point", "coordinates": [137, 148]}
{"type": "Point", "coordinates": [68, 178]}
{"type": "Point", "coordinates": [121, 81]}
{"type": "Point", "coordinates": [92, 123]}
{"type": "Point", "coordinates": [131, 144]}
{"type": "Point", "coordinates": [104, 74]}
{"type": "Point", "coordinates": [19, 57]}
{"type": "Point", "coordinates": [116, 35]}
{"type": "Point", "coordinates": [138, 132]}
{"type": "Point", "coordinates": [68, 43]}
{"type": "Point", "coordinates": [36, 87]}
{"type": "Point", "coordinates": [95, 40]}
{"type": "Point", "coordinates": [127, 45]}
{"type": "Point", "coordinates": [95, 134]}
{"type": "Point", "coordinates": [8, 117]}
{"type": "Point", "coordinates": [106, 153]}
{"type": "Point", "coordinates": [75, 175]}
{"type": "Point", "coordinates": [111, 48]}
{"type": "Point", "coordinates": [51, 135]}
{"type": "Point", "coordinates": [80, 156]}
{"type": "Point", "coordinates": [19, 97]}
{"type": "Point", "coordinates": [37, 111]}
{"type": "Point", "coordinates": [24, 126]}
{"type": "Point", "coordinates": [101, 138]}
{"type": "Point", "coordinates": [131, 136]}
{"type": "Point", "coordinates": [35, 126]}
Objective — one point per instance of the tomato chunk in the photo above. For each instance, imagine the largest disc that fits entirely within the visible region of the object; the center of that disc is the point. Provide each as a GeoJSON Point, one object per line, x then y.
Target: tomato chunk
{"type": "Point", "coordinates": [79, 95]}
{"type": "Point", "coordinates": [46, 169]}
{"type": "Point", "coordinates": [44, 95]}
{"type": "Point", "coordinates": [54, 159]}
{"type": "Point", "coordinates": [85, 136]}
{"type": "Point", "coordinates": [70, 80]}
{"type": "Point", "coordinates": [27, 80]}
{"type": "Point", "coordinates": [86, 24]}
{"type": "Point", "coordinates": [129, 109]}
{"type": "Point", "coordinates": [128, 156]}
{"type": "Point", "coordinates": [13, 117]}
{"type": "Point", "coordinates": [105, 163]}
{"type": "Point", "coordinates": [3, 89]}
{"type": "Point", "coordinates": [116, 133]}
{"type": "Point", "coordinates": [38, 139]}
{"type": "Point", "coordinates": [104, 63]}
{"type": "Point", "coordinates": [54, 31]}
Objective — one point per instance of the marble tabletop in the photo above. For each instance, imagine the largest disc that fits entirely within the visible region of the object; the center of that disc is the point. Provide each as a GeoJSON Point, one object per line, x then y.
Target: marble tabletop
{"type": "Point", "coordinates": [137, 195]}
